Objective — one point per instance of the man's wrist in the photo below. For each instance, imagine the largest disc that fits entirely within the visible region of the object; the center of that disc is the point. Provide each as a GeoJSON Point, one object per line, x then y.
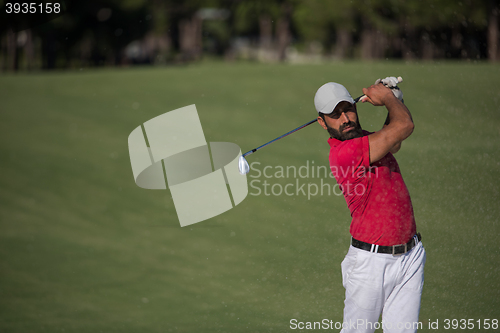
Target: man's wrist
{"type": "Point", "coordinates": [390, 98]}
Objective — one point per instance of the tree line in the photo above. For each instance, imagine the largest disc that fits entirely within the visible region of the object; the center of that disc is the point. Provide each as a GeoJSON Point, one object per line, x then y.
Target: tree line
{"type": "Point", "coordinates": [122, 32]}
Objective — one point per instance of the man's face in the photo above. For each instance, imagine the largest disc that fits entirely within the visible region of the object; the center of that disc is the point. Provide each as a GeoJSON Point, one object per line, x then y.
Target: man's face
{"type": "Point", "coordinates": [342, 123]}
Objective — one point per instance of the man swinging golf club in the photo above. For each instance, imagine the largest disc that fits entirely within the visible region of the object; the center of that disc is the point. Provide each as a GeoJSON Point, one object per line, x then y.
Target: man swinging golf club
{"type": "Point", "coordinates": [383, 271]}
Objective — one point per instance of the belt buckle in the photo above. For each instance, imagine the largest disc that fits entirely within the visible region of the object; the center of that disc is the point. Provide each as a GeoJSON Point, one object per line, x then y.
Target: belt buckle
{"type": "Point", "coordinates": [398, 254]}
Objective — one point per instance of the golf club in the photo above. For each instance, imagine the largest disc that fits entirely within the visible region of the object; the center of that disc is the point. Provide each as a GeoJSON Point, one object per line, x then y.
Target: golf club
{"type": "Point", "coordinates": [242, 162]}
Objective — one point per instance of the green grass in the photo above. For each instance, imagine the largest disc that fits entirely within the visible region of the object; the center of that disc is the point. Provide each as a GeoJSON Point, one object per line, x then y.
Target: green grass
{"type": "Point", "coordinates": [83, 249]}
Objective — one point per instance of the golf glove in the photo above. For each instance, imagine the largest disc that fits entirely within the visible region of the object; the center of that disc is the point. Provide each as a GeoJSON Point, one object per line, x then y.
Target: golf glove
{"type": "Point", "coordinates": [392, 83]}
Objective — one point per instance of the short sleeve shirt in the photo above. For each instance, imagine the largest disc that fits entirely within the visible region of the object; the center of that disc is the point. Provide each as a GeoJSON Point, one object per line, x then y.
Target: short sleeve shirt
{"type": "Point", "coordinates": [376, 194]}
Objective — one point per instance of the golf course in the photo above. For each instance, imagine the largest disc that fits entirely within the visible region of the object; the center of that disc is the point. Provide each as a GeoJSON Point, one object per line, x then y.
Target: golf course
{"type": "Point", "coordinates": [84, 249]}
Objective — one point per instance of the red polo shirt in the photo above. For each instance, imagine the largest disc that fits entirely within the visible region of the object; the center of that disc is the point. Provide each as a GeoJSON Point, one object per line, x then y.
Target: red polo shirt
{"type": "Point", "coordinates": [376, 194]}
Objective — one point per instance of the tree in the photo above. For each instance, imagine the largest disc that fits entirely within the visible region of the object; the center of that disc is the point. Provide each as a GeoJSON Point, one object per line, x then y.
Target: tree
{"type": "Point", "coordinates": [329, 22]}
{"type": "Point", "coordinates": [441, 28]}
{"type": "Point", "coordinates": [263, 16]}
{"type": "Point", "coordinates": [257, 16]}
{"type": "Point", "coordinates": [493, 36]}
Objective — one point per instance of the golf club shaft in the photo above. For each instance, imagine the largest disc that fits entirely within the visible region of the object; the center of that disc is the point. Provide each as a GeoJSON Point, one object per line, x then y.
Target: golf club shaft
{"type": "Point", "coordinates": [292, 131]}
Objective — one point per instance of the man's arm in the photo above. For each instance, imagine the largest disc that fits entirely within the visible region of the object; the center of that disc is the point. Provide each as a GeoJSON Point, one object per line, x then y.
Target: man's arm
{"type": "Point", "coordinates": [397, 146]}
{"type": "Point", "coordinates": [399, 127]}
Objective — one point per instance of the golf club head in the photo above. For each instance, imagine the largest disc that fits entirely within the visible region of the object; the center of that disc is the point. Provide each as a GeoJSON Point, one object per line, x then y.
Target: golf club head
{"type": "Point", "coordinates": [243, 165]}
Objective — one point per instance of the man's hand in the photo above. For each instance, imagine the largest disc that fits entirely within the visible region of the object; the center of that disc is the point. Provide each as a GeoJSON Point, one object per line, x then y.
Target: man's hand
{"type": "Point", "coordinates": [378, 95]}
{"type": "Point", "coordinates": [392, 82]}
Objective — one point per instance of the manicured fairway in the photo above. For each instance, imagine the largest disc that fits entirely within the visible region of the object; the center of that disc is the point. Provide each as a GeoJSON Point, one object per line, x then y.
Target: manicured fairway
{"type": "Point", "coordinates": [83, 249]}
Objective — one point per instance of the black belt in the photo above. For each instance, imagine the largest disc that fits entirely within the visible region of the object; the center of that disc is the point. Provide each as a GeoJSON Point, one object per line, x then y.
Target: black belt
{"type": "Point", "coordinates": [395, 249]}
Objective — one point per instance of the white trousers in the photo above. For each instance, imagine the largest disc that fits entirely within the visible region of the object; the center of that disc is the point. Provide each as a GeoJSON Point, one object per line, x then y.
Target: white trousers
{"type": "Point", "coordinates": [378, 283]}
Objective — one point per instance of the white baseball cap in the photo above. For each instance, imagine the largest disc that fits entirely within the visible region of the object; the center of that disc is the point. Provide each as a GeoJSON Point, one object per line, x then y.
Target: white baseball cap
{"type": "Point", "coordinates": [329, 95]}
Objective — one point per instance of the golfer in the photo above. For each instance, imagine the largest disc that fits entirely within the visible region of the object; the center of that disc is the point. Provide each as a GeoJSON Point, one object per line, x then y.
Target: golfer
{"type": "Point", "coordinates": [383, 271]}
